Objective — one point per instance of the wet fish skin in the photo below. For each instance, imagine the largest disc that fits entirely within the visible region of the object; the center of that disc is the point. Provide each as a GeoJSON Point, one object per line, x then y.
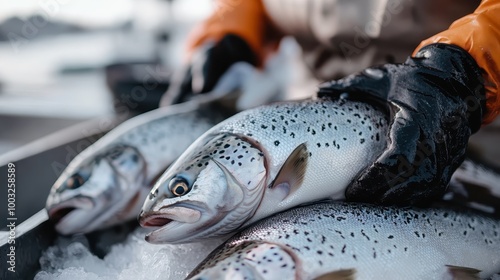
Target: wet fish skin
{"type": "Point", "coordinates": [263, 161]}
{"type": "Point", "coordinates": [107, 183]}
{"type": "Point", "coordinates": [475, 184]}
{"type": "Point", "coordinates": [364, 241]}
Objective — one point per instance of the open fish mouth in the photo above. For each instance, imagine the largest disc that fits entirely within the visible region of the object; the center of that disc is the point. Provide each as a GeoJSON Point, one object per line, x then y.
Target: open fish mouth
{"type": "Point", "coordinates": [171, 223]}
{"type": "Point", "coordinates": [167, 214]}
{"type": "Point", "coordinates": [60, 212]}
{"type": "Point", "coordinates": [155, 222]}
{"type": "Point", "coordinates": [56, 215]}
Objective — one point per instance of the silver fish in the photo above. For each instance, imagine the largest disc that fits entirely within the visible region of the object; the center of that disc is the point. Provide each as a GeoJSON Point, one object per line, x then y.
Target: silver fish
{"type": "Point", "coordinates": [260, 162]}
{"type": "Point", "coordinates": [107, 183]}
{"type": "Point", "coordinates": [475, 184]}
{"type": "Point", "coordinates": [338, 240]}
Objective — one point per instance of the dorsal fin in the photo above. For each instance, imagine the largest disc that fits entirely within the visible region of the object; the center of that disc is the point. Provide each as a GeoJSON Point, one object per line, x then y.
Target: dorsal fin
{"type": "Point", "coordinates": [293, 171]}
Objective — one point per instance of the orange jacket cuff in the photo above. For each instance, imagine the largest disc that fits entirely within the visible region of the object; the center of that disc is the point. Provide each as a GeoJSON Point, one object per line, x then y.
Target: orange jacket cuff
{"type": "Point", "coordinates": [245, 18]}
{"type": "Point", "coordinates": [479, 34]}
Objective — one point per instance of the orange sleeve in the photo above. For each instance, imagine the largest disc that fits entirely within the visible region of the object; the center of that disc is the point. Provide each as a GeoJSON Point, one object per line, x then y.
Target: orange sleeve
{"type": "Point", "coordinates": [479, 34]}
{"type": "Point", "coordinates": [245, 18]}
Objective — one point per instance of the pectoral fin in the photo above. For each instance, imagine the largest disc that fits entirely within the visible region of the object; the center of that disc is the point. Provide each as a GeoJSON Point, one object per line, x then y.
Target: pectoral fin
{"type": "Point", "coordinates": [292, 173]}
{"type": "Point", "coordinates": [344, 274]}
{"type": "Point", "coordinates": [463, 273]}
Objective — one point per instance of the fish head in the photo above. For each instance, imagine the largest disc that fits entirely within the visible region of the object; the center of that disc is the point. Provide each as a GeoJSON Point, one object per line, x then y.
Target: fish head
{"type": "Point", "coordinates": [249, 260]}
{"type": "Point", "coordinates": [92, 191]}
{"type": "Point", "coordinates": [260, 259]}
{"type": "Point", "coordinates": [212, 189]}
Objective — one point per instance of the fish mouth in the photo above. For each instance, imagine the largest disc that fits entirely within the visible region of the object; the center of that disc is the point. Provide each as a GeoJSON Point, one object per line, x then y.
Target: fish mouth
{"type": "Point", "coordinates": [57, 215]}
{"type": "Point", "coordinates": [64, 211]}
{"type": "Point", "coordinates": [154, 221]}
{"type": "Point", "coordinates": [171, 223]}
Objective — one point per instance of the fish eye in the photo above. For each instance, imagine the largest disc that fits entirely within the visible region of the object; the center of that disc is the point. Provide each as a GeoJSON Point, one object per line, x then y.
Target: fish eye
{"type": "Point", "coordinates": [75, 181]}
{"type": "Point", "coordinates": [178, 186]}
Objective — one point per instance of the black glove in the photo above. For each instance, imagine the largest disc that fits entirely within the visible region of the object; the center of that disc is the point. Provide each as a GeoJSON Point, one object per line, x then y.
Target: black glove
{"type": "Point", "coordinates": [436, 100]}
{"type": "Point", "coordinates": [207, 66]}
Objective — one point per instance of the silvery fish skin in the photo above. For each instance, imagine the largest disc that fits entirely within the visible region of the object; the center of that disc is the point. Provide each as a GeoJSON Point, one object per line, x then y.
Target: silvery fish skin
{"type": "Point", "coordinates": [260, 162]}
{"type": "Point", "coordinates": [339, 240]}
{"type": "Point", "coordinates": [475, 184]}
{"type": "Point", "coordinates": [107, 183]}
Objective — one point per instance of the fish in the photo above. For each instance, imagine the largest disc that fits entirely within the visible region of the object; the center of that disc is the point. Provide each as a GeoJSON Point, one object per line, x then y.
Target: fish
{"type": "Point", "coordinates": [263, 161]}
{"type": "Point", "coordinates": [274, 157]}
{"type": "Point", "coordinates": [340, 240]}
{"type": "Point", "coordinates": [107, 183]}
{"type": "Point", "coordinates": [475, 184]}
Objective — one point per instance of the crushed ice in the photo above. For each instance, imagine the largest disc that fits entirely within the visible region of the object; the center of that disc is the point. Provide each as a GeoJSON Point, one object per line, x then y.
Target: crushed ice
{"type": "Point", "coordinates": [135, 259]}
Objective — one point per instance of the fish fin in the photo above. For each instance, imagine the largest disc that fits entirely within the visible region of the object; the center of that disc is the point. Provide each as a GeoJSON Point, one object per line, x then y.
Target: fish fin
{"type": "Point", "coordinates": [463, 273]}
{"type": "Point", "coordinates": [293, 171]}
{"type": "Point", "coordinates": [344, 274]}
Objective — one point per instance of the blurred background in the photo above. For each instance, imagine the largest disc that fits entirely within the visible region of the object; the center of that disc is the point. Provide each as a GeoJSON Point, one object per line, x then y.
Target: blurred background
{"type": "Point", "coordinates": [70, 70]}
{"type": "Point", "coordinates": [63, 62]}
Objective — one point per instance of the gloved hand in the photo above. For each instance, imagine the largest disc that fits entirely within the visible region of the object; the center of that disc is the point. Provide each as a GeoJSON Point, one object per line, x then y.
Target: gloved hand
{"type": "Point", "coordinates": [436, 100]}
{"type": "Point", "coordinates": [207, 66]}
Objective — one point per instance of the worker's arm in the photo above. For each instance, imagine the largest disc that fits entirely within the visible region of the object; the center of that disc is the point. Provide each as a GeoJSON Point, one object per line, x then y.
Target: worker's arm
{"type": "Point", "coordinates": [245, 19]}
{"type": "Point", "coordinates": [437, 98]}
{"type": "Point", "coordinates": [235, 32]}
{"type": "Point", "coordinates": [479, 35]}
